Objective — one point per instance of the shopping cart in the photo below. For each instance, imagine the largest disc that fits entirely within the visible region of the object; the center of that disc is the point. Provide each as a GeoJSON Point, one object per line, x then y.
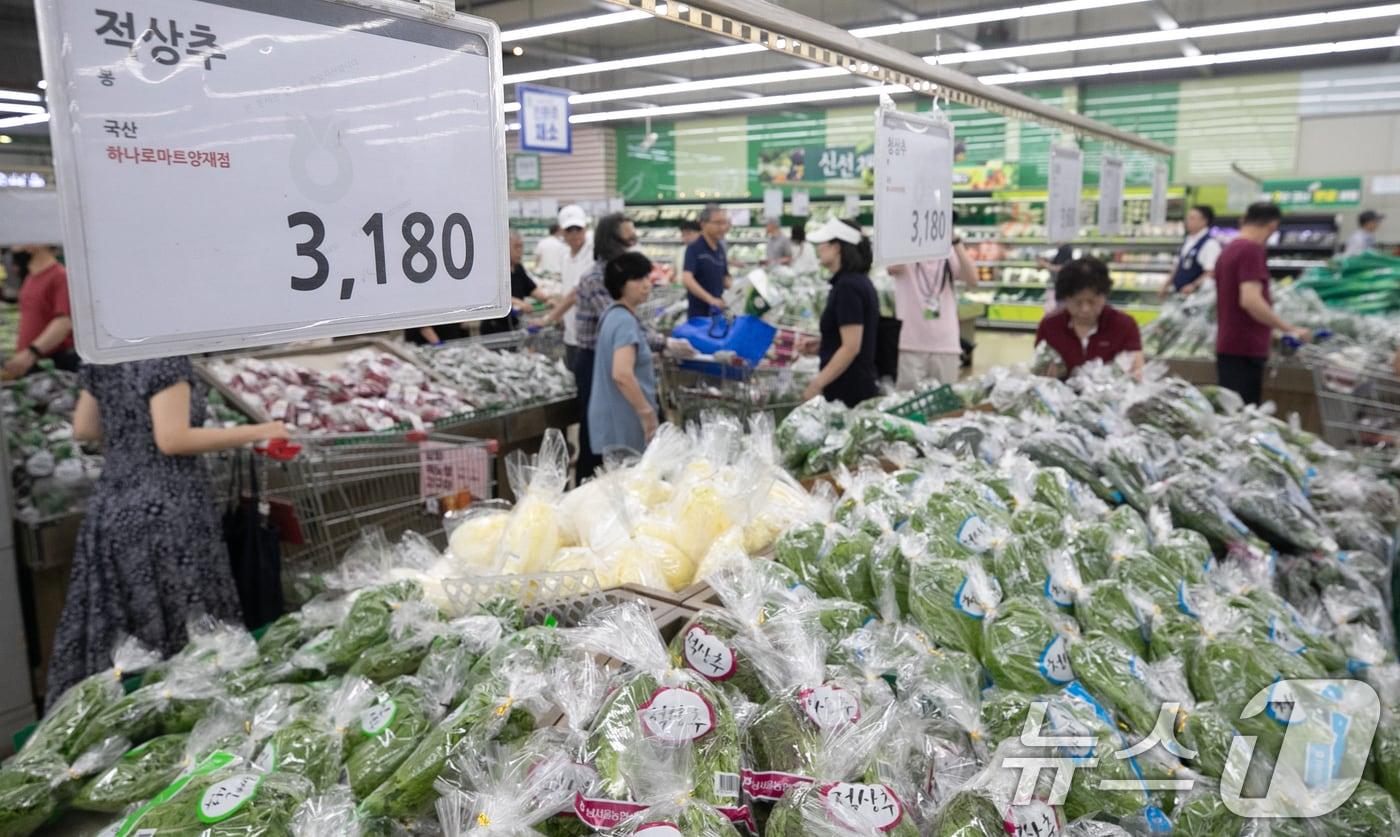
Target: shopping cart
{"type": "Point", "coordinates": [1358, 395]}
{"type": "Point", "coordinates": [688, 390]}
{"type": "Point", "coordinates": [325, 491]}
{"type": "Point", "coordinates": [664, 308]}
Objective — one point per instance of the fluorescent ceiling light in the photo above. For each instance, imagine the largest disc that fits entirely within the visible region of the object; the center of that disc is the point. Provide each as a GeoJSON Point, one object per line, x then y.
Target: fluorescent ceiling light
{"type": "Point", "coordinates": [1158, 36]}
{"type": "Point", "coordinates": [20, 96]}
{"type": "Point", "coordinates": [1013, 13]}
{"type": "Point", "coordinates": [973, 18]}
{"type": "Point", "coordinates": [739, 104]}
{"type": "Point", "coordinates": [577, 24]}
{"type": "Point", "coordinates": [749, 80]}
{"type": "Point", "coordinates": [7, 107]}
{"type": "Point", "coordinates": [631, 63]}
{"type": "Point", "coordinates": [31, 119]}
{"type": "Point", "coordinates": [1270, 54]}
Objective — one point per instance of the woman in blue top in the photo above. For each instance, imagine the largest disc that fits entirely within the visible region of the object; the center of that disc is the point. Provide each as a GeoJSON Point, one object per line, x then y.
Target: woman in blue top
{"type": "Point", "coordinates": [622, 405]}
{"type": "Point", "coordinates": [850, 319]}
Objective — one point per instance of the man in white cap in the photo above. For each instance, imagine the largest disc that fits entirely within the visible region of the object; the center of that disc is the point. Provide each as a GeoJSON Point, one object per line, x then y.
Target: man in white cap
{"type": "Point", "coordinates": [574, 222]}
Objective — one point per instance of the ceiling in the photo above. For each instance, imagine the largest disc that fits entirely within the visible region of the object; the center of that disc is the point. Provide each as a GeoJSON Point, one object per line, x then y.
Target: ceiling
{"type": "Point", "coordinates": [20, 70]}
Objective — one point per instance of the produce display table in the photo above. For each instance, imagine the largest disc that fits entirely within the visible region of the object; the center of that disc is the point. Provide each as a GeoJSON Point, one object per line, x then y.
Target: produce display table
{"type": "Point", "coordinates": [1288, 385]}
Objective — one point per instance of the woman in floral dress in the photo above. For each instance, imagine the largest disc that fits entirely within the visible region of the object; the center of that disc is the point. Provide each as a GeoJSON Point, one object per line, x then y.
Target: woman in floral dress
{"type": "Point", "coordinates": [150, 551]}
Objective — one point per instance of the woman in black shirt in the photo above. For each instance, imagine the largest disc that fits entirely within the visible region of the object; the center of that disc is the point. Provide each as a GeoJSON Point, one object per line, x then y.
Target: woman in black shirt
{"type": "Point", "coordinates": [850, 319]}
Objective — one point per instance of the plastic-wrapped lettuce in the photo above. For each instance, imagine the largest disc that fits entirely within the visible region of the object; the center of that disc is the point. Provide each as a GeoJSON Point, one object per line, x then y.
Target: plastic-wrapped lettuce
{"type": "Point", "coordinates": [1041, 522]}
{"type": "Point", "coordinates": [312, 743]}
{"type": "Point", "coordinates": [36, 783]}
{"type": "Point", "coordinates": [949, 599]}
{"type": "Point", "coordinates": [1064, 446]}
{"type": "Point", "coordinates": [847, 795]}
{"type": "Point", "coordinates": [1385, 751]}
{"type": "Point", "coordinates": [161, 708]}
{"type": "Point", "coordinates": [412, 629]}
{"type": "Point", "coordinates": [62, 729]}
{"type": "Point", "coordinates": [656, 702]}
{"type": "Point", "coordinates": [1025, 646]}
{"type": "Point", "coordinates": [705, 645]}
{"type": "Point", "coordinates": [1127, 466]}
{"type": "Point", "coordinates": [1003, 713]}
{"type": "Point", "coordinates": [804, 431]}
{"type": "Point", "coordinates": [1100, 662]}
{"type": "Point", "coordinates": [223, 795]}
{"type": "Point", "coordinates": [1196, 503]}
{"type": "Point", "coordinates": [1208, 732]}
{"type": "Point", "coordinates": [507, 697]}
{"type": "Point", "coordinates": [388, 731]}
{"type": "Point", "coordinates": [1202, 813]}
{"type": "Point", "coordinates": [367, 623]}
{"type": "Point", "coordinates": [505, 792]}
{"type": "Point", "coordinates": [1106, 607]}
{"type": "Point", "coordinates": [139, 775]}
{"type": "Point", "coordinates": [802, 548]}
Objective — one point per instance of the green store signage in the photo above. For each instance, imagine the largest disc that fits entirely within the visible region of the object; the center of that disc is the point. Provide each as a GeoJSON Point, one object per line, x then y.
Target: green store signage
{"type": "Point", "coordinates": [1319, 193]}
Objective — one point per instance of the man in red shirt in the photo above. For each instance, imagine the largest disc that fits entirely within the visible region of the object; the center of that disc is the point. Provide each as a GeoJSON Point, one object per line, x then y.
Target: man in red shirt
{"type": "Point", "coordinates": [45, 318]}
{"type": "Point", "coordinates": [1245, 317]}
{"type": "Point", "coordinates": [1086, 327]}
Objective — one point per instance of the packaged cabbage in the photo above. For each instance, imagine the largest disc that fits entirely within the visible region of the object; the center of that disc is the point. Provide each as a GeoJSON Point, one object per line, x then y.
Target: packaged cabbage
{"type": "Point", "coordinates": [1105, 607]}
{"type": "Point", "coordinates": [1025, 647]}
{"type": "Point", "coordinates": [223, 795]}
{"type": "Point", "coordinates": [949, 599]}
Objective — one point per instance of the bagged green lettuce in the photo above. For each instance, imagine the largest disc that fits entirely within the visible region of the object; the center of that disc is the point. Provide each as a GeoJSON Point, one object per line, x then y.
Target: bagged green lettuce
{"type": "Point", "coordinates": [388, 731]}
{"type": "Point", "coordinates": [656, 702]}
{"type": "Point", "coordinates": [1107, 608]}
{"type": "Point", "coordinates": [1208, 732]}
{"type": "Point", "coordinates": [366, 623]}
{"type": "Point", "coordinates": [507, 698]}
{"type": "Point", "coordinates": [1025, 646]}
{"type": "Point", "coordinates": [1101, 662]}
{"type": "Point", "coordinates": [801, 550]}
{"type": "Point", "coordinates": [161, 708]}
{"type": "Point", "coordinates": [1061, 446]}
{"type": "Point", "coordinates": [1044, 524]}
{"type": "Point", "coordinates": [949, 599]}
{"type": "Point", "coordinates": [312, 741]}
{"type": "Point", "coordinates": [846, 796]}
{"type": "Point", "coordinates": [30, 791]}
{"type": "Point", "coordinates": [412, 628]}
{"type": "Point", "coordinates": [1202, 813]}
{"type": "Point", "coordinates": [969, 813]}
{"type": "Point", "coordinates": [223, 795]}
{"type": "Point", "coordinates": [506, 791]}
{"type": "Point", "coordinates": [63, 726]}
{"type": "Point", "coordinates": [215, 650]}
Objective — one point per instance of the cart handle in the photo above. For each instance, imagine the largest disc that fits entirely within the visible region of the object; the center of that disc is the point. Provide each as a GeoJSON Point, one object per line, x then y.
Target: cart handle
{"type": "Point", "coordinates": [281, 450]}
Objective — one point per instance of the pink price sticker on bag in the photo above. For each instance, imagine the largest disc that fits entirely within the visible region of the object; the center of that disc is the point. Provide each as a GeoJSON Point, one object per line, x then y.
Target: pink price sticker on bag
{"type": "Point", "coordinates": [446, 469]}
{"type": "Point", "coordinates": [604, 814]}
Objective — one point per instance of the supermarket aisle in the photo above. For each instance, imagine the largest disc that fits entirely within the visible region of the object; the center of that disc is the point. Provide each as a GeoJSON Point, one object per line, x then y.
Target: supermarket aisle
{"type": "Point", "coordinates": [996, 347]}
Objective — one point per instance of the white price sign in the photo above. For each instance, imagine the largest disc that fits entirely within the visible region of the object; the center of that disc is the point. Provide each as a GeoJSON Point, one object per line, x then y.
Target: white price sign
{"type": "Point", "coordinates": [247, 172]}
{"type": "Point", "coordinates": [1062, 202]}
{"type": "Point", "coordinates": [544, 119]}
{"type": "Point", "coordinates": [549, 207]}
{"type": "Point", "coordinates": [913, 187]}
{"type": "Point", "coordinates": [1111, 195]}
{"type": "Point", "coordinates": [617, 205]}
{"type": "Point", "coordinates": [773, 205]}
{"type": "Point", "coordinates": [852, 207]}
{"type": "Point", "coordinates": [801, 203]}
{"type": "Point", "coordinates": [740, 217]}
{"type": "Point", "coordinates": [1157, 210]}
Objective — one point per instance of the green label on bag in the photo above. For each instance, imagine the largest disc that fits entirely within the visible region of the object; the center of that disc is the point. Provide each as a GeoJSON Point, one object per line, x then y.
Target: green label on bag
{"type": "Point", "coordinates": [225, 797]}
{"type": "Point", "coordinates": [215, 761]}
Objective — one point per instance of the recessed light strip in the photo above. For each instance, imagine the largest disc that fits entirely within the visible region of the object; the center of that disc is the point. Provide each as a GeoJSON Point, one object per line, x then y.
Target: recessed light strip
{"type": "Point", "coordinates": [577, 24]}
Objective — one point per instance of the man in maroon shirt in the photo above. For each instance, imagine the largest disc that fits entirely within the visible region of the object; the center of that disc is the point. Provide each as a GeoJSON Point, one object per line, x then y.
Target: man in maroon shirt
{"type": "Point", "coordinates": [1086, 327]}
{"type": "Point", "coordinates": [1245, 317]}
{"type": "Point", "coordinates": [45, 318]}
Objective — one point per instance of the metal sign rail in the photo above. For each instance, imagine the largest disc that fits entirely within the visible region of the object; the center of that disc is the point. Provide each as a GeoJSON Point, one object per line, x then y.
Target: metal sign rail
{"type": "Point", "coordinates": [783, 30]}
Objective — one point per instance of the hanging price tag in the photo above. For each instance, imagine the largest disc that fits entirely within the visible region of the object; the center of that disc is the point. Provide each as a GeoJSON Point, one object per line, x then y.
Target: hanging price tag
{"type": "Point", "coordinates": [247, 173]}
{"type": "Point", "coordinates": [913, 187]}
{"type": "Point", "coordinates": [1062, 202]}
{"type": "Point", "coordinates": [1111, 195]}
{"type": "Point", "coordinates": [801, 203]}
{"type": "Point", "coordinates": [1157, 212]}
{"type": "Point", "coordinates": [852, 207]}
{"type": "Point", "coordinates": [772, 204]}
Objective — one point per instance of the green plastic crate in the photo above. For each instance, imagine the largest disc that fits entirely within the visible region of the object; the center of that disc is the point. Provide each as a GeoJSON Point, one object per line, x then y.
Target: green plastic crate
{"type": "Point", "coordinates": [928, 404]}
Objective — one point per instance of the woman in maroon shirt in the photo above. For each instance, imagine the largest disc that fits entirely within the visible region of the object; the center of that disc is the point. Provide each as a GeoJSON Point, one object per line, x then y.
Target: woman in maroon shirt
{"type": "Point", "coordinates": [1086, 327]}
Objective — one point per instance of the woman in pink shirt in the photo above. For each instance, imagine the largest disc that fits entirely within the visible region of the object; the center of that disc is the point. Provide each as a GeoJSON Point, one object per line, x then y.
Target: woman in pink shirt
{"type": "Point", "coordinates": [930, 339]}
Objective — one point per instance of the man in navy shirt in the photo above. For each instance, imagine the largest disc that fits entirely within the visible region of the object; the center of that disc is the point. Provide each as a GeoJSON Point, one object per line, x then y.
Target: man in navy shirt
{"type": "Point", "coordinates": [706, 268]}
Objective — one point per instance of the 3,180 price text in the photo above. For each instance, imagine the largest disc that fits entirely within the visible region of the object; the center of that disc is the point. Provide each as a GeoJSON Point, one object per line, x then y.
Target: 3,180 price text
{"type": "Point", "coordinates": [427, 248]}
{"type": "Point", "coordinates": [929, 226]}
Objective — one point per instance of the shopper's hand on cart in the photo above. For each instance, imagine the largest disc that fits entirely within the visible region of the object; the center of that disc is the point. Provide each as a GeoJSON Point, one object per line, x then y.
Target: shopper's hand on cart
{"type": "Point", "coordinates": [811, 391]}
